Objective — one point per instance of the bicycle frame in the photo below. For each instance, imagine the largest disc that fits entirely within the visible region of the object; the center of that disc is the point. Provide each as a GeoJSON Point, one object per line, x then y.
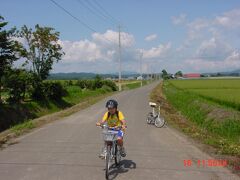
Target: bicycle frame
{"type": "Point", "coordinates": [154, 112]}
{"type": "Point", "coordinates": [154, 117]}
{"type": "Point", "coordinates": [112, 145]}
{"type": "Point", "coordinates": [112, 148]}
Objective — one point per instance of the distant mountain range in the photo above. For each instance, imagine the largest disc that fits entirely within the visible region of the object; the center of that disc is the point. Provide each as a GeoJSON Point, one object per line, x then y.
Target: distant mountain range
{"type": "Point", "coordinates": [230, 73]}
{"type": "Point", "coordinates": [236, 71]}
{"type": "Point", "coordinates": [85, 75]}
{"type": "Point", "coordinates": [125, 74]}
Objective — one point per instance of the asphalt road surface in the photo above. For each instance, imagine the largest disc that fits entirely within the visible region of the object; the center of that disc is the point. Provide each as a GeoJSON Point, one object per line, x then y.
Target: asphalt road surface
{"type": "Point", "coordinates": [68, 149]}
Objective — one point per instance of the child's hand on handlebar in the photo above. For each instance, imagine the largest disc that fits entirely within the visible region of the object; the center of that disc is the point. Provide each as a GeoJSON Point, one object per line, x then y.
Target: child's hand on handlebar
{"type": "Point", "coordinates": [124, 127]}
{"type": "Point", "coordinates": [98, 124]}
{"type": "Point", "coordinates": [117, 127]}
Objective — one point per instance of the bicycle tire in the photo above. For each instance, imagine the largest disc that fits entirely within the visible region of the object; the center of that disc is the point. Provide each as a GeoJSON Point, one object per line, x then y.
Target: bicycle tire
{"type": "Point", "coordinates": [117, 155]}
{"type": "Point", "coordinates": [159, 122]}
{"type": "Point", "coordinates": [107, 162]}
{"type": "Point", "coordinates": [149, 118]}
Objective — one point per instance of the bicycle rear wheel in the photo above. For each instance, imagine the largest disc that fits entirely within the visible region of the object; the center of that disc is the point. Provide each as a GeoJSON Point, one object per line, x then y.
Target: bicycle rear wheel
{"type": "Point", "coordinates": [149, 118]}
{"type": "Point", "coordinates": [108, 163]}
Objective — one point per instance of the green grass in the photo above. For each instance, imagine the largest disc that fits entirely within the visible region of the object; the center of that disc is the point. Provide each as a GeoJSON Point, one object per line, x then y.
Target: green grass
{"type": "Point", "coordinates": [134, 84]}
{"type": "Point", "coordinates": [11, 115]}
{"type": "Point", "coordinates": [19, 128]}
{"type": "Point", "coordinates": [186, 97]}
{"type": "Point", "coordinates": [77, 94]}
{"type": "Point", "coordinates": [223, 91]}
{"type": "Point", "coordinates": [207, 83]}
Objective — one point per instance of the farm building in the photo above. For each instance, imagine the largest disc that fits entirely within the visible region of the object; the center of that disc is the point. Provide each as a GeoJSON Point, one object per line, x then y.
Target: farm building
{"type": "Point", "coordinates": [192, 75]}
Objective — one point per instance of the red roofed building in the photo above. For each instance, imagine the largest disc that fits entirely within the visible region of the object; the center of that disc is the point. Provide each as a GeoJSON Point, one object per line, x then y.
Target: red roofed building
{"type": "Point", "coordinates": [192, 75]}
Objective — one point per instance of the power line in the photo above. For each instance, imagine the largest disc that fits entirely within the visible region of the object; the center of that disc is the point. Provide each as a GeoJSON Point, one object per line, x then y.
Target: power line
{"type": "Point", "coordinates": [74, 17]}
{"type": "Point", "coordinates": [119, 60]}
{"type": "Point", "coordinates": [97, 10]}
{"type": "Point", "coordinates": [106, 12]}
{"type": "Point", "coordinates": [93, 10]}
{"type": "Point", "coordinates": [77, 19]}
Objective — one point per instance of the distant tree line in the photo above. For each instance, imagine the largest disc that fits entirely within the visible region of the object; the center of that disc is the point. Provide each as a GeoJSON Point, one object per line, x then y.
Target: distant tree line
{"type": "Point", "coordinates": [166, 75]}
{"type": "Point", "coordinates": [93, 84]}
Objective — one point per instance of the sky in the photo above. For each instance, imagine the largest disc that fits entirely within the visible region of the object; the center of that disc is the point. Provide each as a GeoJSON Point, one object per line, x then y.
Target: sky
{"type": "Point", "coordinates": [186, 35]}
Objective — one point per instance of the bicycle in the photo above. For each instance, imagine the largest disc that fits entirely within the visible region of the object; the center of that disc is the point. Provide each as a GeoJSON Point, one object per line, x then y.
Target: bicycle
{"type": "Point", "coordinates": [155, 118]}
{"type": "Point", "coordinates": [112, 152]}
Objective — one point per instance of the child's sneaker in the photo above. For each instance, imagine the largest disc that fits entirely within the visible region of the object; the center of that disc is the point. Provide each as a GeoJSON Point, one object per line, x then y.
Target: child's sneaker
{"type": "Point", "coordinates": [123, 152]}
{"type": "Point", "coordinates": [103, 153]}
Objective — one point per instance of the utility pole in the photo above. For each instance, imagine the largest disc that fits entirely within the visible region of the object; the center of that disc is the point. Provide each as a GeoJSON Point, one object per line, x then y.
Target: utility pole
{"type": "Point", "coordinates": [141, 55]}
{"type": "Point", "coordinates": [119, 60]}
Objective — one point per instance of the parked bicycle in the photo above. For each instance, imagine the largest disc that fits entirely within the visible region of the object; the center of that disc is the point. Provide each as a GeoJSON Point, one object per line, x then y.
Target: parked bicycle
{"type": "Point", "coordinates": [154, 117]}
{"type": "Point", "coordinates": [112, 153]}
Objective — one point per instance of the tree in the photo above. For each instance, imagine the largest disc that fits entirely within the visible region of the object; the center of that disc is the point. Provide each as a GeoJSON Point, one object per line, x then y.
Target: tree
{"type": "Point", "coordinates": [41, 49]}
{"type": "Point", "coordinates": [98, 82]}
{"type": "Point", "coordinates": [18, 82]}
{"type": "Point", "coordinates": [179, 74]}
{"type": "Point", "coordinates": [7, 51]}
{"type": "Point", "coordinates": [165, 74]}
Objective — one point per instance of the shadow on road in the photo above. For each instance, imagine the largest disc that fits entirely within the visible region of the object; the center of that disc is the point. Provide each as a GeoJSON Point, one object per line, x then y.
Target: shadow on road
{"type": "Point", "coordinates": [124, 166]}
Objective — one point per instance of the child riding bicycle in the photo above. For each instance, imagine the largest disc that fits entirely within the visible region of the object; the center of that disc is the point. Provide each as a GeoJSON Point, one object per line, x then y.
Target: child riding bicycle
{"type": "Point", "coordinates": [114, 119]}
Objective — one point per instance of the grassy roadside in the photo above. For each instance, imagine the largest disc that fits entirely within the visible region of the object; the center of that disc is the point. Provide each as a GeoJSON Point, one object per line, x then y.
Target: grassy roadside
{"type": "Point", "coordinates": [7, 136]}
{"type": "Point", "coordinates": [13, 114]}
{"type": "Point", "coordinates": [134, 84]}
{"type": "Point", "coordinates": [199, 118]}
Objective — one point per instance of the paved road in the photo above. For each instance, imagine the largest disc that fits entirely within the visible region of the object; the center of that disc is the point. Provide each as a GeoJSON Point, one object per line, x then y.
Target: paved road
{"type": "Point", "coordinates": [68, 149]}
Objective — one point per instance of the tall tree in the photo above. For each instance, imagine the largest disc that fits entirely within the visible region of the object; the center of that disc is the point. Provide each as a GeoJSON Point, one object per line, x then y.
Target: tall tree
{"type": "Point", "coordinates": [179, 73]}
{"type": "Point", "coordinates": [165, 74]}
{"type": "Point", "coordinates": [41, 49]}
{"type": "Point", "coordinates": [7, 51]}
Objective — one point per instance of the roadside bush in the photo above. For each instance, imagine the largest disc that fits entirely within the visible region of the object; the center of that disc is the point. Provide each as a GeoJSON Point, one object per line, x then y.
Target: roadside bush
{"type": "Point", "coordinates": [106, 88]}
{"type": "Point", "coordinates": [38, 92]}
{"type": "Point", "coordinates": [110, 84]}
{"type": "Point", "coordinates": [69, 83]}
{"type": "Point", "coordinates": [85, 84]}
{"type": "Point", "coordinates": [97, 83]}
{"type": "Point", "coordinates": [81, 84]}
{"type": "Point", "coordinates": [18, 82]}
{"type": "Point", "coordinates": [54, 90]}
{"type": "Point", "coordinates": [49, 90]}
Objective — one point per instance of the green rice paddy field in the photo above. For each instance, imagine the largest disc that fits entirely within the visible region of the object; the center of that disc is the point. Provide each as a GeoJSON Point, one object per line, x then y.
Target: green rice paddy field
{"type": "Point", "coordinates": [212, 110]}
{"type": "Point", "coordinates": [222, 91]}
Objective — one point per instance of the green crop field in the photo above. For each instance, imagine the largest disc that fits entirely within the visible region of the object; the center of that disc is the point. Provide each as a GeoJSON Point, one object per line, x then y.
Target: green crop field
{"type": "Point", "coordinates": [213, 106]}
{"type": "Point", "coordinates": [222, 91]}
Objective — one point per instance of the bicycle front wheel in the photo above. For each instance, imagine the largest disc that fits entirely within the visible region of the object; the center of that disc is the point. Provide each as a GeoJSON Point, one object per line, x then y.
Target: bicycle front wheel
{"type": "Point", "coordinates": [117, 155]}
{"type": "Point", "coordinates": [108, 159]}
{"type": "Point", "coordinates": [159, 122]}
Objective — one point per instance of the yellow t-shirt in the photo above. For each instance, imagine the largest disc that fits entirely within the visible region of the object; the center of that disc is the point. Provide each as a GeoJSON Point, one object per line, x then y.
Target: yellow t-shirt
{"type": "Point", "coordinates": [113, 120]}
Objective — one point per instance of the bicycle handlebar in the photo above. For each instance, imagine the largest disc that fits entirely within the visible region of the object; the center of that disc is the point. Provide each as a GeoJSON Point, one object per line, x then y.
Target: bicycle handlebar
{"type": "Point", "coordinates": [111, 128]}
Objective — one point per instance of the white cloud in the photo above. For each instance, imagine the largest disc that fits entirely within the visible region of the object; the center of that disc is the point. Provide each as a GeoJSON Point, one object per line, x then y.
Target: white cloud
{"type": "Point", "coordinates": [196, 28]}
{"type": "Point", "coordinates": [151, 37]}
{"type": "Point", "coordinates": [229, 19]}
{"type": "Point", "coordinates": [111, 37]}
{"type": "Point", "coordinates": [233, 59]}
{"type": "Point", "coordinates": [157, 52]}
{"type": "Point", "coordinates": [181, 19]}
{"type": "Point", "coordinates": [214, 49]}
{"type": "Point", "coordinates": [210, 43]}
{"type": "Point", "coordinates": [83, 50]}
{"type": "Point", "coordinates": [102, 47]}
{"type": "Point", "coordinates": [201, 65]}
